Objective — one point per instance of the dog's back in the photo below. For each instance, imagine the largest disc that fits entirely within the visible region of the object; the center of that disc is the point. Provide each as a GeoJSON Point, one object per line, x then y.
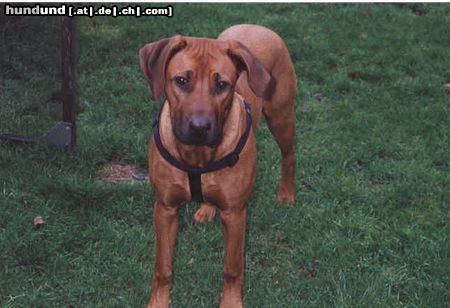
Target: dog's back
{"type": "Point", "coordinates": [271, 50]}
{"type": "Point", "coordinates": [265, 44]}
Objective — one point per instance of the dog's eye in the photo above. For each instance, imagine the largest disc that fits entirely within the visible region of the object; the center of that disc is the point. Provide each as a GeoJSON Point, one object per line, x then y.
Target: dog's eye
{"type": "Point", "coordinates": [221, 86]}
{"type": "Point", "coordinates": [181, 81]}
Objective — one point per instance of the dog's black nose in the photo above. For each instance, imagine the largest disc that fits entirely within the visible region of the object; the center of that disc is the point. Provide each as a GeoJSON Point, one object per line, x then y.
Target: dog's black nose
{"type": "Point", "coordinates": [200, 124]}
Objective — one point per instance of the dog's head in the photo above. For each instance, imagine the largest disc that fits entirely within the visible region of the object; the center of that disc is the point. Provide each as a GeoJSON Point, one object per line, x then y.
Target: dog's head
{"type": "Point", "coordinates": [199, 76]}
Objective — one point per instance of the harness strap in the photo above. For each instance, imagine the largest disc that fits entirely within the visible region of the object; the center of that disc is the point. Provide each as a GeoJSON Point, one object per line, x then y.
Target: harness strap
{"type": "Point", "coordinates": [194, 173]}
{"type": "Point", "coordinates": [195, 186]}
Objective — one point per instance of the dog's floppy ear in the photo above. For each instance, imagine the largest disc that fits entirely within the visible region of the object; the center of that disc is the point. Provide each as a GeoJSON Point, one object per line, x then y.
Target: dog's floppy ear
{"type": "Point", "coordinates": [259, 79]}
{"type": "Point", "coordinates": [153, 59]}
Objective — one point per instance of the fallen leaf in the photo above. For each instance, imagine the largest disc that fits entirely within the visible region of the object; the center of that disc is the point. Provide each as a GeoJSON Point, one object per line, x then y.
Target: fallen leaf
{"type": "Point", "coordinates": [447, 88]}
{"type": "Point", "coordinates": [319, 96]}
{"type": "Point", "coordinates": [278, 236]}
{"type": "Point", "coordinates": [312, 271]}
{"type": "Point", "coordinates": [418, 9]}
{"type": "Point", "coordinates": [39, 221]}
{"type": "Point", "coordinates": [306, 184]}
{"type": "Point", "coordinates": [352, 74]}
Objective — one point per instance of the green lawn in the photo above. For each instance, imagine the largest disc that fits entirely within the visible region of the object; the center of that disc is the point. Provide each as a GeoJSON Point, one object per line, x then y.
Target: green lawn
{"type": "Point", "coordinates": [371, 223]}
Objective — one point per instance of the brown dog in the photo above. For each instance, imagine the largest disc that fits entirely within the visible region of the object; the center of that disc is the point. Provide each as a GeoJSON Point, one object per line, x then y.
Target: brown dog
{"type": "Point", "coordinates": [203, 118]}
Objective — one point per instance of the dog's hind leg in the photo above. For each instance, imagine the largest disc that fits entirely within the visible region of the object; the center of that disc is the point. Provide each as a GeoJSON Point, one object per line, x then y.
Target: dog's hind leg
{"type": "Point", "coordinates": [282, 127]}
{"type": "Point", "coordinates": [280, 115]}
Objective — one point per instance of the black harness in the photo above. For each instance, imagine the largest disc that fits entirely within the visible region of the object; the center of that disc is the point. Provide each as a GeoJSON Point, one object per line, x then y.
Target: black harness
{"type": "Point", "coordinates": [195, 173]}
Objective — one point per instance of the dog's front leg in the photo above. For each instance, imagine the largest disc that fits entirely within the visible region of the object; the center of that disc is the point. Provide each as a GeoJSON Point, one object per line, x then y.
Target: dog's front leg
{"type": "Point", "coordinates": [233, 222]}
{"type": "Point", "coordinates": [165, 221]}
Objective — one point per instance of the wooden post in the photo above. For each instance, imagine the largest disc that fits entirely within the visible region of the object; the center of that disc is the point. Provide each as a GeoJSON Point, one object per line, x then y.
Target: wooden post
{"type": "Point", "coordinates": [68, 64]}
{"type": "Point", "coordinates": [63, 134]}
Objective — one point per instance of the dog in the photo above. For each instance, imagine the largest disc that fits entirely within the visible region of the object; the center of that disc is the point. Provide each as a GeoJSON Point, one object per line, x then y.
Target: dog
{"type": "Point", "coordinates": [203, 147]}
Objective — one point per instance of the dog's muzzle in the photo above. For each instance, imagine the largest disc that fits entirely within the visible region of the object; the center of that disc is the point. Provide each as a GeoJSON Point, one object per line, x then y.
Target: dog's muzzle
{"type": "Point", "coordinates": [198, 130]}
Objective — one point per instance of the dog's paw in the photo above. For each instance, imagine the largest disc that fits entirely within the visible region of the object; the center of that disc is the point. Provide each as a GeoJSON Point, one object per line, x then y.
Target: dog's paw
{"type": "Point", "coordinates": [286, 194]}
{"type": "Point", "coordinates": [163, 301]}
{"type": "Point", "coordinates": [206, 212]}
{"type": "Point", "coordinates": [230, 301]}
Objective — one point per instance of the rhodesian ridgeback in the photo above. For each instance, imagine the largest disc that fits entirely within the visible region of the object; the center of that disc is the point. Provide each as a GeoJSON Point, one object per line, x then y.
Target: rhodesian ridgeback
{"type": "Point", "coordinates": [203, 84]}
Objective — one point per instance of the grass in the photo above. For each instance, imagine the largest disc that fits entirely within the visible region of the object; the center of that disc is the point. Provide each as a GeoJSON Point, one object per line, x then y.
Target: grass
{"type": "Point", "coordinates": [371, 223]}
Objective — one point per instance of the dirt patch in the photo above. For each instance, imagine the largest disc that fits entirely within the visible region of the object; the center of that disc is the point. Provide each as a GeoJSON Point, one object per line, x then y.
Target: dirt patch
{"type": "Point", "coordinates": [121, 173]}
